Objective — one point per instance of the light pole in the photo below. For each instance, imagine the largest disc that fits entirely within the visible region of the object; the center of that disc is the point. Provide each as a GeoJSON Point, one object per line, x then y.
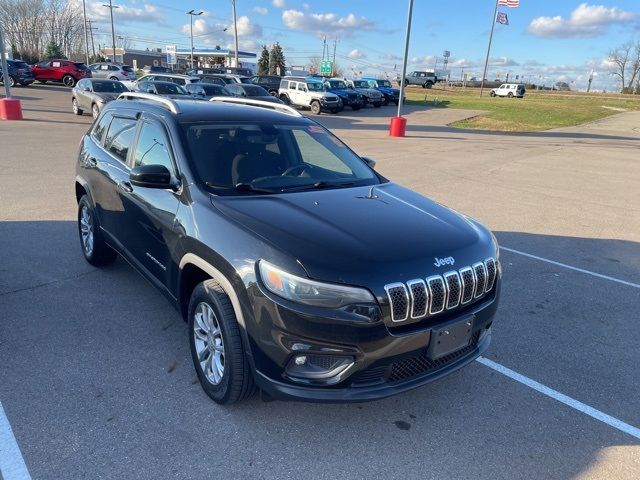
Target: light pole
{"type": "Point", "coordinates": [399, 124]}
{"type": "Point", "coordinates": [235, 31]}
{"type": "Point", "coordinates": [111, 6]}
{"type": "Point", "coordinates": [191, 14]}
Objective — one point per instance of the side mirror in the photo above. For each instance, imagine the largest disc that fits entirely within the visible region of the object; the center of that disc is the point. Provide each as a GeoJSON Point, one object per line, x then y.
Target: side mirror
{"type": "Point", "coordinates": [151, 176]}
{"type": "Point", "coordinates": [86, 89]}
{"type": "Point", "coordinates": [369, 161]}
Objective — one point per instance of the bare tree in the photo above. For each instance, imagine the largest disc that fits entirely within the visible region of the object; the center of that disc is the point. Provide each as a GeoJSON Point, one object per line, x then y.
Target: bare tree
{"type": "Point", "coordinates": [634, 68]}
{"type": "Point", "coordinates": [621, 58]}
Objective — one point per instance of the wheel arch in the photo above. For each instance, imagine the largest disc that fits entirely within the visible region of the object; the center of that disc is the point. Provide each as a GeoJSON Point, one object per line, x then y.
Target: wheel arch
{"type": "Point", "coordinates": [193, 270]}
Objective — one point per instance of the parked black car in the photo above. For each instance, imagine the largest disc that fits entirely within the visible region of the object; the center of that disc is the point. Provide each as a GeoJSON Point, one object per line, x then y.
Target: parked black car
{"type": "Point", "coordinates": [207, 91]}
{"type": "Point", "coordinates": [270, 83]}
{"type": "Point", "coordinates": [19, 73]}
{"type": "Point", "coordinates": [299, 269]}
{"type": "Point", "coordinates": [204, 71]}
{"type": "Point", "coordinates": [92, 95]}
{"type": "Point", "coordinates": [252, 91]}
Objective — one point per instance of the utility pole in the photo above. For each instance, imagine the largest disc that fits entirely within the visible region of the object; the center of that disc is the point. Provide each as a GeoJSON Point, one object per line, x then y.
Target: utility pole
{"type": "Point", "coordinates": [91, 29]}
{"type": "Point", "coordinates": [86, 36]}
{"type": "Point", "coordinates": [333, 63]}
{"type": "Point", "coordinates": [324, 46]}
{"type": "Point", "coordinates": [111, 6]}
{"type": "Point", "coordinates": [191, 14]}
{"type": "Point", "coordinates": [235, 30]}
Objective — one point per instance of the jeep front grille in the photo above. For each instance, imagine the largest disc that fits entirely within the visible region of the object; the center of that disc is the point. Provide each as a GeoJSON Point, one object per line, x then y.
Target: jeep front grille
{"type": "Point", "coordinates": [420, 298]}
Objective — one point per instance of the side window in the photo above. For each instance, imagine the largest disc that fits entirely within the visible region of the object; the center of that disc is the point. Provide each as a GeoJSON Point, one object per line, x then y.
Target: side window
{"type": "Point", "coordinates": [302, 87]}
{"type": "Point", "coordinates": [178, 81]}
{"type": "Point", "coordinates": [152, 147]}
{"type": "Point", "coordinates": [101, 127]}
{"type": "Point", "coordinates": [120, 137]}
{"type": "Point", "coordinates": [113, 68]}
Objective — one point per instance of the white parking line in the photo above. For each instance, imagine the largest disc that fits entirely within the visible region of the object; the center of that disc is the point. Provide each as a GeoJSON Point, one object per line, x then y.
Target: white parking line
{"type": "Point", "coordinates": [12, 466]}
{"type": "Point", "coordinates": [586, 409]}
{"type": "Point", "coordinates": [581, 270]}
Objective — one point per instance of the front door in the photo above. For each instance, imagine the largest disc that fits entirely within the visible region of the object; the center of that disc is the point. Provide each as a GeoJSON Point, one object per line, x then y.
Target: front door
{"type": "Point", "coordinates": [151, 212]}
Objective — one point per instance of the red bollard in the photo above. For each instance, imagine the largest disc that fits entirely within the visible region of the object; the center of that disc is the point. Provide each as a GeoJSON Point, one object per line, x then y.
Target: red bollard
{"type": "Point", "coordinates": [10, 109]}
{"type": "Point", "coordinates": [398, 127]}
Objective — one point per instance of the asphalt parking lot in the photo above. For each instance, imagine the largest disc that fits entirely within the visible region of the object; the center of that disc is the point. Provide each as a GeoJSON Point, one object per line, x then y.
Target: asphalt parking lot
{"type": "Point", "coordinates": [96, 380]}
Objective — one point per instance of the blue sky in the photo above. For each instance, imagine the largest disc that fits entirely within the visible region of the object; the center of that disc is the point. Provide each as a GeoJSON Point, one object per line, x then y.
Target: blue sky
{"type": "Point", "coordinates": [558, 40]}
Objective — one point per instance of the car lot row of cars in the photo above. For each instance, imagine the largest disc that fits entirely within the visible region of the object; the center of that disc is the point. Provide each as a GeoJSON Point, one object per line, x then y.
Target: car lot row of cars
{"type": "Point", "coordinates": [317, 94]}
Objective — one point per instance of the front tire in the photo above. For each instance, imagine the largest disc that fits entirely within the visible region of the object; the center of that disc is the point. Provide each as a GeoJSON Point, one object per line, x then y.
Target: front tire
{"type": "Point", "coordinates": [377, 105]}
{"type": "Point", "coordinates": [94, 248]}
{"type": "Point", "coordinates": [355, 107]}
{"type": "Point", "coordinates": [285, 99]}
{"type": "Point", "coordinates": [428, 85]}
{"type": "Point", "coordinates": [95, 111]}
{"type": "Point", "coordinates": [68, 81]}
{"type": "Point", "coordinates": [216, 346]}
{"type": "Point", "coordinates": [510, 95]}
{"type": "Point", "coordinates": [315, 107]}
{"type": "Point", "coordinates": [76, 109]}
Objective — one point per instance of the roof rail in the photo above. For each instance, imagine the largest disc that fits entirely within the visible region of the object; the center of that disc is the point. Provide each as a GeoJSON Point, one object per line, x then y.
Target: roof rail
{"type": "Point", "coordinates": [170, 104]}
{"type": "Point", "coordinates": [258, 103]}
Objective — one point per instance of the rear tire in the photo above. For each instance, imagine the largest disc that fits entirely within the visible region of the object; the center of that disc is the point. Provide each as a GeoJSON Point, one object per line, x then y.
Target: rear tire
{"type": "Point", "coordinates": [68, 81]}
{"type": "Point", "coordinates": [76, 109]}
{"type": "Point", "coordinates": [355, 107]}
{"type": "Point", "coordinates": [492, 94]}
{"type": "Point", "coordinates": [315, 107]}
{"type": "Point", "coordinates": [385, 102]}
{"type": "Point", "coordinates": [377, 105]}
{"type": "Point", "coordinates": [428, 84]}
{"type": "Point", "coordinates": [94, 248]}
{"type": "Point", "coordinates": [217, 351]}
{"type": "Point", "coordinates": [510, 94]}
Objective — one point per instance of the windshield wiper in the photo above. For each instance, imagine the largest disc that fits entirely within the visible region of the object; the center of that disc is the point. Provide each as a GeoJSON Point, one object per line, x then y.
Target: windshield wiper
{"type": "Point", "coordinates": [241, 187]}
{"type": "Point", "coordinates": [316, 185]}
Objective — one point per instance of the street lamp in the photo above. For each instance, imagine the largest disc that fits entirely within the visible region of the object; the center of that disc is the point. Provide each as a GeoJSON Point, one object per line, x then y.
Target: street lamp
{"type": "Point", "coordinates": [191, 14]}
{"type": "Point", "coordinates": [235, 31]}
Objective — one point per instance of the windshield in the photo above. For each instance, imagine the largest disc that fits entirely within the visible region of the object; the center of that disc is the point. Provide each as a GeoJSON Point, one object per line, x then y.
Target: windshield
{"type": "Point", "coordinates": [20, 64]}
{"type": "Point", "coordinates": [314, 86]}
{"type": "Point", "coordinates": [108, 87]}
{"type": "Point", "coordinates": [267, 158]}
{"type": "Point", "coordinates": [337, 84]}
{"type": "Point", "coordinates": [214, 90]}
{"type": "Point", "coordinates": [255, 91]}
{"type": "Point", "coordinates": [384, 83]}
{"type": "Point", "coordinates": [166, 88]}
{"type": "Point", "coordinates": [361, 84]}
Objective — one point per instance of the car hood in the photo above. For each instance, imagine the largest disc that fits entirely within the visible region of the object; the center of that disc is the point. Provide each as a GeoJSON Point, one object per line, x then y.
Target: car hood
{"type": "Point", "coordinates": [343, 92]}
{"type": "Point", "coordinates": [349, 236]}
{"type": "Point", "coordinates": [107, 97]}
{"type": "Point", "coordinates": [389, 91]}
{"type": "Point", "coordinates": [369, 92]}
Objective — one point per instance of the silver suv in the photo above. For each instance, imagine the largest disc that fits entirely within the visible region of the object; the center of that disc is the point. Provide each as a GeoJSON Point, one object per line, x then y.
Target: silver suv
{"type": "Point", "coordinates": [112, 71]}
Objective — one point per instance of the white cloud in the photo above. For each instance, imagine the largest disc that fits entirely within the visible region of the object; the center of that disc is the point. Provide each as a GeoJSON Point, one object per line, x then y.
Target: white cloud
{"type": "Point", "coordinates": [355, 53]}
{"type": "Point", "coordinates": [326, 23]}
{"type": "Point", "coordinates": [586, 21]}
{"type": "Point", "coordinates": [215, 34]}
{"type": "Point", "coordinates": [260, 10]}
{"type": "Point", "coordinates": [125, 14]}
{"type": "Point", "coordinates": [278, 3]}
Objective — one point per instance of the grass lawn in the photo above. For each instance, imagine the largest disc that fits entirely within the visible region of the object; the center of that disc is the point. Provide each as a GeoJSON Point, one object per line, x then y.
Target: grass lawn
{"type": "Point", "coordinates": [536, 111]}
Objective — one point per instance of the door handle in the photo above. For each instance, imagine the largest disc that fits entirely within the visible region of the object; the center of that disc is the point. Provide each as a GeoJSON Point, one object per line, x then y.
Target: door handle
{"type": "Point", "coordinates": [125, 187]}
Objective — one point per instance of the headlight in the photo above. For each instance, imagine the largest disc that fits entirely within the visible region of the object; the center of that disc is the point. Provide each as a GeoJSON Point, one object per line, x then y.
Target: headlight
{"type": "Point", "coordinates": [310, 292]}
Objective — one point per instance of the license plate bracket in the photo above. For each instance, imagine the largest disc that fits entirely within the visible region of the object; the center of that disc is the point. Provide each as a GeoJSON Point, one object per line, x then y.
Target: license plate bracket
{"type": "Point", "coordinates": [450, 338]}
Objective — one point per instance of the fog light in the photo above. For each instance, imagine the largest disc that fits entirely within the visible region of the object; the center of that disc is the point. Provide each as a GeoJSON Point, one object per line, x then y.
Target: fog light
{"type": "Point", "coordinates": [325, 368]}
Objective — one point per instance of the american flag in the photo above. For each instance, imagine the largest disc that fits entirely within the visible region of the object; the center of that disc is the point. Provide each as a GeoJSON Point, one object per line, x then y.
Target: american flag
{"type": "Point", "coordinates": [502, 18]}
{"type": "Point", "coordinates": [509, 3]}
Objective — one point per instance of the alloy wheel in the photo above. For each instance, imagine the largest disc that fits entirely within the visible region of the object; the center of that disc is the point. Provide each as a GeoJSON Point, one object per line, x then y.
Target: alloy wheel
{"type": "Point", "coordinates": [86, 230]}
{"type": "Point", "coordinates": [95, 111]}
{"type": "Point", "coordinates": [209, 343]}
{"type": "Point", "coordinates": [74, 103]}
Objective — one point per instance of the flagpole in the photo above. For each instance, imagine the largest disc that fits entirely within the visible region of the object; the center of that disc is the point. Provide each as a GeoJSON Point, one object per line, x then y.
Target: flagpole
{"type": "Point", "coordinates": [486, 60]}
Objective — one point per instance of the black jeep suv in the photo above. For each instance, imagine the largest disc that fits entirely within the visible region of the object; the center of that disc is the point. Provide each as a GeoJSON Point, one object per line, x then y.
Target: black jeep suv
{"type": "Point", "coordinates": [299, 269]}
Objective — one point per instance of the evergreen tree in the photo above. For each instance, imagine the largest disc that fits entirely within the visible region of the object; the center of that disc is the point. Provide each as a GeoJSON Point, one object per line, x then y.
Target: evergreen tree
{"type": "Point", "coordinates": [263, 62]}
{"type": "Point", "coordinates": [53, 51]}
{"type": "Point", "coordinates": [276, 60]}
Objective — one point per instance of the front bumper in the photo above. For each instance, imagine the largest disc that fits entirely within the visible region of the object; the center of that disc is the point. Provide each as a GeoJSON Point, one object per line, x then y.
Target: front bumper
{"type": "Point", "coordinates": [384, 361]}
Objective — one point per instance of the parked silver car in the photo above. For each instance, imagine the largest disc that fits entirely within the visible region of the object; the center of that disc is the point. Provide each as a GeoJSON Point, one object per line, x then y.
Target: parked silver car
{"type": "Point", "coordinates": [92, 94]}
{"type": "Point", "coordinates": [112, 71]}
{"type": "Point", "coordinates": [176, 78]}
